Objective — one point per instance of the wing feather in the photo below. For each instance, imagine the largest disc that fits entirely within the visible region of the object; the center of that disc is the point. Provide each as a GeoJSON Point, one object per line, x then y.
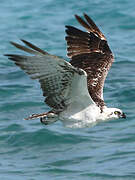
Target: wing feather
{"type": "Point", "coordinates": [54, 74]}
{"type": "Point", "coordinates": [90, 52]}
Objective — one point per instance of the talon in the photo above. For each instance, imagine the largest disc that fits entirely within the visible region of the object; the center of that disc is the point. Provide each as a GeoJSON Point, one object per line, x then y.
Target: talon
{"type": "Point", "coordinates": [43, 121]}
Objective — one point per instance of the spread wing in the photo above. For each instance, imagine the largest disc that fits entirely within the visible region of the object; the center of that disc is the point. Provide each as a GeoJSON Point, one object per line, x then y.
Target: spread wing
{"type": "Point", "coordinates": [90, 52]}
{"type": "Point", "coordinates": [54, 74]}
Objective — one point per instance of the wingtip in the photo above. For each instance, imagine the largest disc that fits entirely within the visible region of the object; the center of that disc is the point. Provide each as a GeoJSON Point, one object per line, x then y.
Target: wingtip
{"type": "Point", "coordinates": [8, 55]}
{"type": "Point", "coordinates": [14, 44]}
{"type": "Point", "coordinates": [24, 41]}
{"type": "Point", "coordinates": [76, 16]}
{"type": "Point", "coordinates": [11, 42]}
{"type": "Point", "coordinates": [5, 55]}
{"type": "Point", "coordinates": [85, 14]}
{"type": "Point", "coordinates": [66, 26]}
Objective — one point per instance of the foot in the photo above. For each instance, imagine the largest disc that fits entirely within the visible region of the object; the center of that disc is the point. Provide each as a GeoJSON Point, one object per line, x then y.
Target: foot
{"type": "Point", "coordinates": [49, 118]}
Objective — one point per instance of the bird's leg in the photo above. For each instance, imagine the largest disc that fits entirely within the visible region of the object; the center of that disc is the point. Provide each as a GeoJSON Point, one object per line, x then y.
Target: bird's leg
{"type": "Point", "coordinates": [45, 118]}
{"type": "Point", "coordinates": [34, 116]}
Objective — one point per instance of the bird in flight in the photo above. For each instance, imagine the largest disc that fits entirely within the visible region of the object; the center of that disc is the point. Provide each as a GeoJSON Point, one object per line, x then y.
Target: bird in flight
{"type": "Point", "coordinates": [73, 90]}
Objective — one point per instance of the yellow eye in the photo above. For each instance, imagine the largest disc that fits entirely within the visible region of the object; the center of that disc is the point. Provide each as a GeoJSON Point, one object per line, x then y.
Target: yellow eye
{"type": "Point", "coordinates": [117, 112]}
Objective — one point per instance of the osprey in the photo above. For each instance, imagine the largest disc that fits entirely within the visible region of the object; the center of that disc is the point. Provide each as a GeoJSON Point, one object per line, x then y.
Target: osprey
{"type": "Point", "coordinates": [73, 90]}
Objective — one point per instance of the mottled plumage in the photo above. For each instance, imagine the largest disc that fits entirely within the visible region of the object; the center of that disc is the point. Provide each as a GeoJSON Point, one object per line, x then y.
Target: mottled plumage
{"type": "Point", "coordinates": [90, 52]}
{"type": "Point", "coordinates": [54, 74]}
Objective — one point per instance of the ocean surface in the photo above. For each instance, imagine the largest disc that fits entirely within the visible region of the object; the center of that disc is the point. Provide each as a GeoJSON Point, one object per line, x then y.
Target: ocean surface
{"type": "Point", "coordinates": [32, 151]}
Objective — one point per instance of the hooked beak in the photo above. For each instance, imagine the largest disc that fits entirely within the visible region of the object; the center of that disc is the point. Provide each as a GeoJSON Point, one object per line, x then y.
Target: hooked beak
{"type": "Point", "coordinates": [123, 115]}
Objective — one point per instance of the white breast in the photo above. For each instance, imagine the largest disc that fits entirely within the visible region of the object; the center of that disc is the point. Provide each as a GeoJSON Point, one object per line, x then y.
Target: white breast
{"type": "Point", "coordinates": [81, 111]}
{"type": "Point", "coordinates": [78, 115]}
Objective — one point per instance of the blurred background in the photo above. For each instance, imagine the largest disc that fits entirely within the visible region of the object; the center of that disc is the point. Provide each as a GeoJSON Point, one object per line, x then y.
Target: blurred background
{"type": "Point", "coordinates": [30, 150]}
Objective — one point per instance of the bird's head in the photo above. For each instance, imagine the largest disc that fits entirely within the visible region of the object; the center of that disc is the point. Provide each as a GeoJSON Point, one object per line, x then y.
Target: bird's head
{"type": "Point", "coordinates": [115, 113]}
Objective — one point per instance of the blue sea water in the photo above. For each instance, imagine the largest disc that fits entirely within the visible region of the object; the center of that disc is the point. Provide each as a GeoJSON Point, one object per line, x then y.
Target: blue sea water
{"type": "Point", "coordinates": [32, 151]}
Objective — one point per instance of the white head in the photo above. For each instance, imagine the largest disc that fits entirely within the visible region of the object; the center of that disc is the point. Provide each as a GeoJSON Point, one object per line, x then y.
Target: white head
{"type": "Point", "coordinates": [113, 113]}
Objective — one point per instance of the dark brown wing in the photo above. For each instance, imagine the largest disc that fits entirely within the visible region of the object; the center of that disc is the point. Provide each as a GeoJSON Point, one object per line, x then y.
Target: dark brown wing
{"type": "Point", "coordinates": [90, 52]}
